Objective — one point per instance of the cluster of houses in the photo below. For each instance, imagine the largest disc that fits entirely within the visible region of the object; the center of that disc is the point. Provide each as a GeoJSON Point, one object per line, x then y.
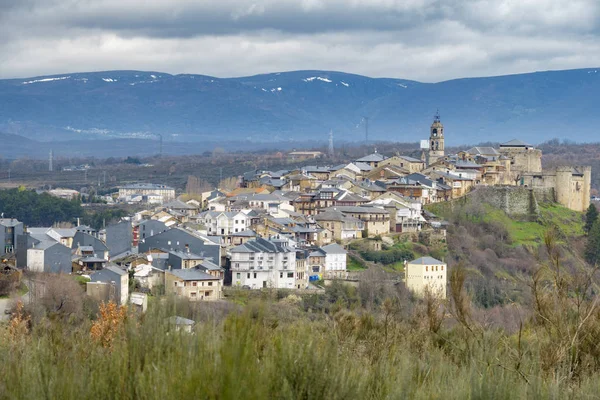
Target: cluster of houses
{"type": "Point", "coordinates": [281, 229]}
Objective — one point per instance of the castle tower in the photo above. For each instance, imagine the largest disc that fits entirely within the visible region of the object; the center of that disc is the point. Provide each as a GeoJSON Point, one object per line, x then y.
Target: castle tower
{"type": "Point", "coordinates": [563, 188]}
{"type": "Point", "coordinates": [436, 140]}
{"type": "Point", "coordinates": [587, 186]}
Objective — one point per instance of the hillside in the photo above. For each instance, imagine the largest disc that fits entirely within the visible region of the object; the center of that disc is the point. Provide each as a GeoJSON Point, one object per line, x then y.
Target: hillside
{"type": "Point", "coordinates": [501, 252]}
{"type": "Point", "coordinates": [296, 106]}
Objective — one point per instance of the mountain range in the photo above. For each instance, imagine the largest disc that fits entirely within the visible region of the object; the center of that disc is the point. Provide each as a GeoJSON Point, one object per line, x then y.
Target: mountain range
{"type": "Point", "coordinates": [298, 106]}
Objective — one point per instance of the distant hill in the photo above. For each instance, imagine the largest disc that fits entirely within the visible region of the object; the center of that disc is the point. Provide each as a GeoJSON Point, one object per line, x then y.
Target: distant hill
{"type": "Point", "coordinates": [301, 105]}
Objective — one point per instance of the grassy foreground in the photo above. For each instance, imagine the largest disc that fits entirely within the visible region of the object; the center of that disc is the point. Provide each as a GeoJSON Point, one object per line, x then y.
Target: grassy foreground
{"type": "Point", "coordinates": [273, 349]}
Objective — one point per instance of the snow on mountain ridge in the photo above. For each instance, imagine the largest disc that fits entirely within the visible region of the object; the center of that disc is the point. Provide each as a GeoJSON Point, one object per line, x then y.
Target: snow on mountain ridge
{"type": "Point", "coordinates": [46, 80]}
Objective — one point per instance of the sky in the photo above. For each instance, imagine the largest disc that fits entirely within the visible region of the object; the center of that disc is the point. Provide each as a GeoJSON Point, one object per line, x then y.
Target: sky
{"type": "Point", "coordinates": [424, 40]}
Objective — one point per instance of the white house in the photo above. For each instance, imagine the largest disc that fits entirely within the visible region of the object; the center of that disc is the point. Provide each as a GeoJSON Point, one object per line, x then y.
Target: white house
{"type": "Point", "coordinates": [426, 273]}
{"type": "Point", "coordinates": [224, 223]}
{"type": "Point", "coordinates": [264, 263]}
{"type": "Point", "coordinates": [328, 261]}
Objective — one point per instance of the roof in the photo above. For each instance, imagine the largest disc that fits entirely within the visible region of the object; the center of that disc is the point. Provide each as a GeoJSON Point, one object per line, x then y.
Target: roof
{"type": "Point", "coordinates": [334, 215]}
{"type": "Point", "coordinates": [466, 164]}
{"type": "Point", "coordinates": [515, 143]}
{"type": "Point", "coordinates": [184, 255]}
{"type": "Point", "coordinates": [192, 275]}
{"type": "Point", "coordinates": [359, 210]}
{"type": "Point", "coordinates": [486, 151]}
{"type": "Point", "coordinates": [179, 205]}
{"type": "Point", "coordinates": [93, 260]}
{"type": "Point", "coordinates": [261, 245]}
{"type": "Point", "coordinates": [65, 232]}
{"type": "Point", "coordinates": [426, 261]}
{"type": "Point", "coordinates": [9, 222]}
{"type": "Point", "coordinates": [451, 176]}
{"type": "Point", "coordinates": [334, 248]}
{"type": "Point", "coordinates": [150, 186]}
{"type": "Point", "coordinates": [410, 159]}
{"type": "Point", "coordinates": [175, 320]}
{"type": "Point", "coordinates": [375, 157]}
{"type": "Point", "coordinates": [208, 266]}
{"type": "Point", "coordinates": [363, 166]}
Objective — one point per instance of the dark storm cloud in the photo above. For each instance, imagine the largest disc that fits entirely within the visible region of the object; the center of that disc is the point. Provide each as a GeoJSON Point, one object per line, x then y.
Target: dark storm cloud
{"type": "Point", "coordinates": [420, 39]}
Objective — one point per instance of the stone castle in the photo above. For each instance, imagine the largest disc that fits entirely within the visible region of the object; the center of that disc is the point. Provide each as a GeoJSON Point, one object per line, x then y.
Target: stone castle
{"type": "Point", "coordinates": [514, 163]}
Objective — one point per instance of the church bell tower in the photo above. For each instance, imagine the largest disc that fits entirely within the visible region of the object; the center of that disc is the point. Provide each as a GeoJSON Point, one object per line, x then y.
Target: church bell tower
{"type": "Point", "coordinates": [436, 140]}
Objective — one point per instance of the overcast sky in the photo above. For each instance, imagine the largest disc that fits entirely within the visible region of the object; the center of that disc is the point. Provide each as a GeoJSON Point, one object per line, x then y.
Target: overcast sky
{"type": "Point", "coordinates": [426, 40]}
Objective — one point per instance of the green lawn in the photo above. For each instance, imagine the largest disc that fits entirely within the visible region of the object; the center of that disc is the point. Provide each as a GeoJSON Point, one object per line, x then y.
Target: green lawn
{"type": "Point", "coordinates": [354, 265]}
{"type": "Point", "coordinates": [568, 222]}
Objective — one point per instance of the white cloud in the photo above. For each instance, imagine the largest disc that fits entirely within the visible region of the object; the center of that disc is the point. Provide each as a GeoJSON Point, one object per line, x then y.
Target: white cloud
{"type": "Point", "coordinates": [427, 40]}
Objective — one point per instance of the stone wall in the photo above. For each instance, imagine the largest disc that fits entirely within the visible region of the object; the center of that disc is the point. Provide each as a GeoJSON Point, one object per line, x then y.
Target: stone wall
{"type": "Point", "coordinates": [515, 201]}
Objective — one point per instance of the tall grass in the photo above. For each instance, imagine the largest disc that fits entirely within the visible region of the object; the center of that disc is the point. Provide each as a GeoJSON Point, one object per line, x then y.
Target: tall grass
{"type": "Point", "coordinates": [273, 350]}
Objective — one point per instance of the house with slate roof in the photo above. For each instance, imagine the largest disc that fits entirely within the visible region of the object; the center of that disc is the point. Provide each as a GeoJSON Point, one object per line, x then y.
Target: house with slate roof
{"type": "Point", "coordinates": [372, 160]}
{"type": "Point", "coordinates": [328, 261]}
{"type": "Point", "coordinates": [263, 263]}
{"type": "Point", "coordinates": [194, 284]}
{"type": "Point", "coordinates": [426, 274]}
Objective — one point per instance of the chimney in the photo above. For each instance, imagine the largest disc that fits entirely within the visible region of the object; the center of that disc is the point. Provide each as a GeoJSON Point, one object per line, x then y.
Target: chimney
{"type": "Point", "coordinates": [187, 248]}
{"type": "Point", "coordinates": [77, 221]}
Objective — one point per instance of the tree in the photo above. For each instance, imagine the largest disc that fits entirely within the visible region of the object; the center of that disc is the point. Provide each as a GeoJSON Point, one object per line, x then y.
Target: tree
{"type": "Point", "coordinates": [591, 216]}
{"type": "Point", "coordinates": [592, 249]}
{"type": "Point", "coordinates": [228, 184]}
{"type": "Point", "coordinates": [196, 185]}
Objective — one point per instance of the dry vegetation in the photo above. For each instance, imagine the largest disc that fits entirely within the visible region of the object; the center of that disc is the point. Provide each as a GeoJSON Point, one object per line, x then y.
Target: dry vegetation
{"type": "Point", "coordinates": [370, 342]}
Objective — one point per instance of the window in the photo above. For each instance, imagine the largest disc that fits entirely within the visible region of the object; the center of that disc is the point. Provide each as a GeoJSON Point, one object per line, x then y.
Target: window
{"type": "Point", "coordinates": [436, 267]}
{"type": "Point", "coordinates": [193, 294]}
{"type": "Point", "coordinates": [248, 275]}
{"type": "Point", "coordinates": [290, 275]}
{"type": "Point", "coordinates": [255, 275]}
{"type": "Point", "coordinates": [238, 276]}
{"type": "Point", "coordinates": [426, 268]}
{"type": "Point", "coordinates": [281, 274]}
{"type": "Point", "coordinates": [175, 283]}
{"type": "Point", "coordinates": [207, 294]}
{"type": "Point", "coordinates": [442, 267]}
{"type": "Point", "coordinates": [194, 283]}
{"type": "Point", "coordinates": [210, 283]}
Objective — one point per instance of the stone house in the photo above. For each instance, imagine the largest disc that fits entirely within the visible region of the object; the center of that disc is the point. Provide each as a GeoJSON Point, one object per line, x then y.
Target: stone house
{"type": "Point", "coordinates": [426, 274]}
{"type": "Point", "coordinates": [193, 284]}
{"type": "Point", "coordinates": [341, 226]}
{"type": "Point", "coordinates": [376, 220]}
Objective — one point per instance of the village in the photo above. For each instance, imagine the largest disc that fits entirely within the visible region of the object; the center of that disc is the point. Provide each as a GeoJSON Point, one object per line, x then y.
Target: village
{"type": "Point", "coordinates": [285, 229]}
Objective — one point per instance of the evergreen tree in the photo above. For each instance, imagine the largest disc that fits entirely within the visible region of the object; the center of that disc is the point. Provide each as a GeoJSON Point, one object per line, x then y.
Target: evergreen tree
{"type": "Point", "coordinates": [592, 249]}
{"type": "Point", "coordinates": [590, 217]}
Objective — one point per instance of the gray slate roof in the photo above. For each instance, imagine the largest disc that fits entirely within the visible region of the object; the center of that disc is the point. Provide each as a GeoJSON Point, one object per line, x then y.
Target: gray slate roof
{"type": "Point", "coordinates": [334, 248]}
{"type": "Point", "coordinates": [515, 143]}
{"type": "Point", "coordinates": [426, 261]}
{"type": "Point", "coordinates": [192, 275]}
{"type": "Point", "coordinates": [375, 157]}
